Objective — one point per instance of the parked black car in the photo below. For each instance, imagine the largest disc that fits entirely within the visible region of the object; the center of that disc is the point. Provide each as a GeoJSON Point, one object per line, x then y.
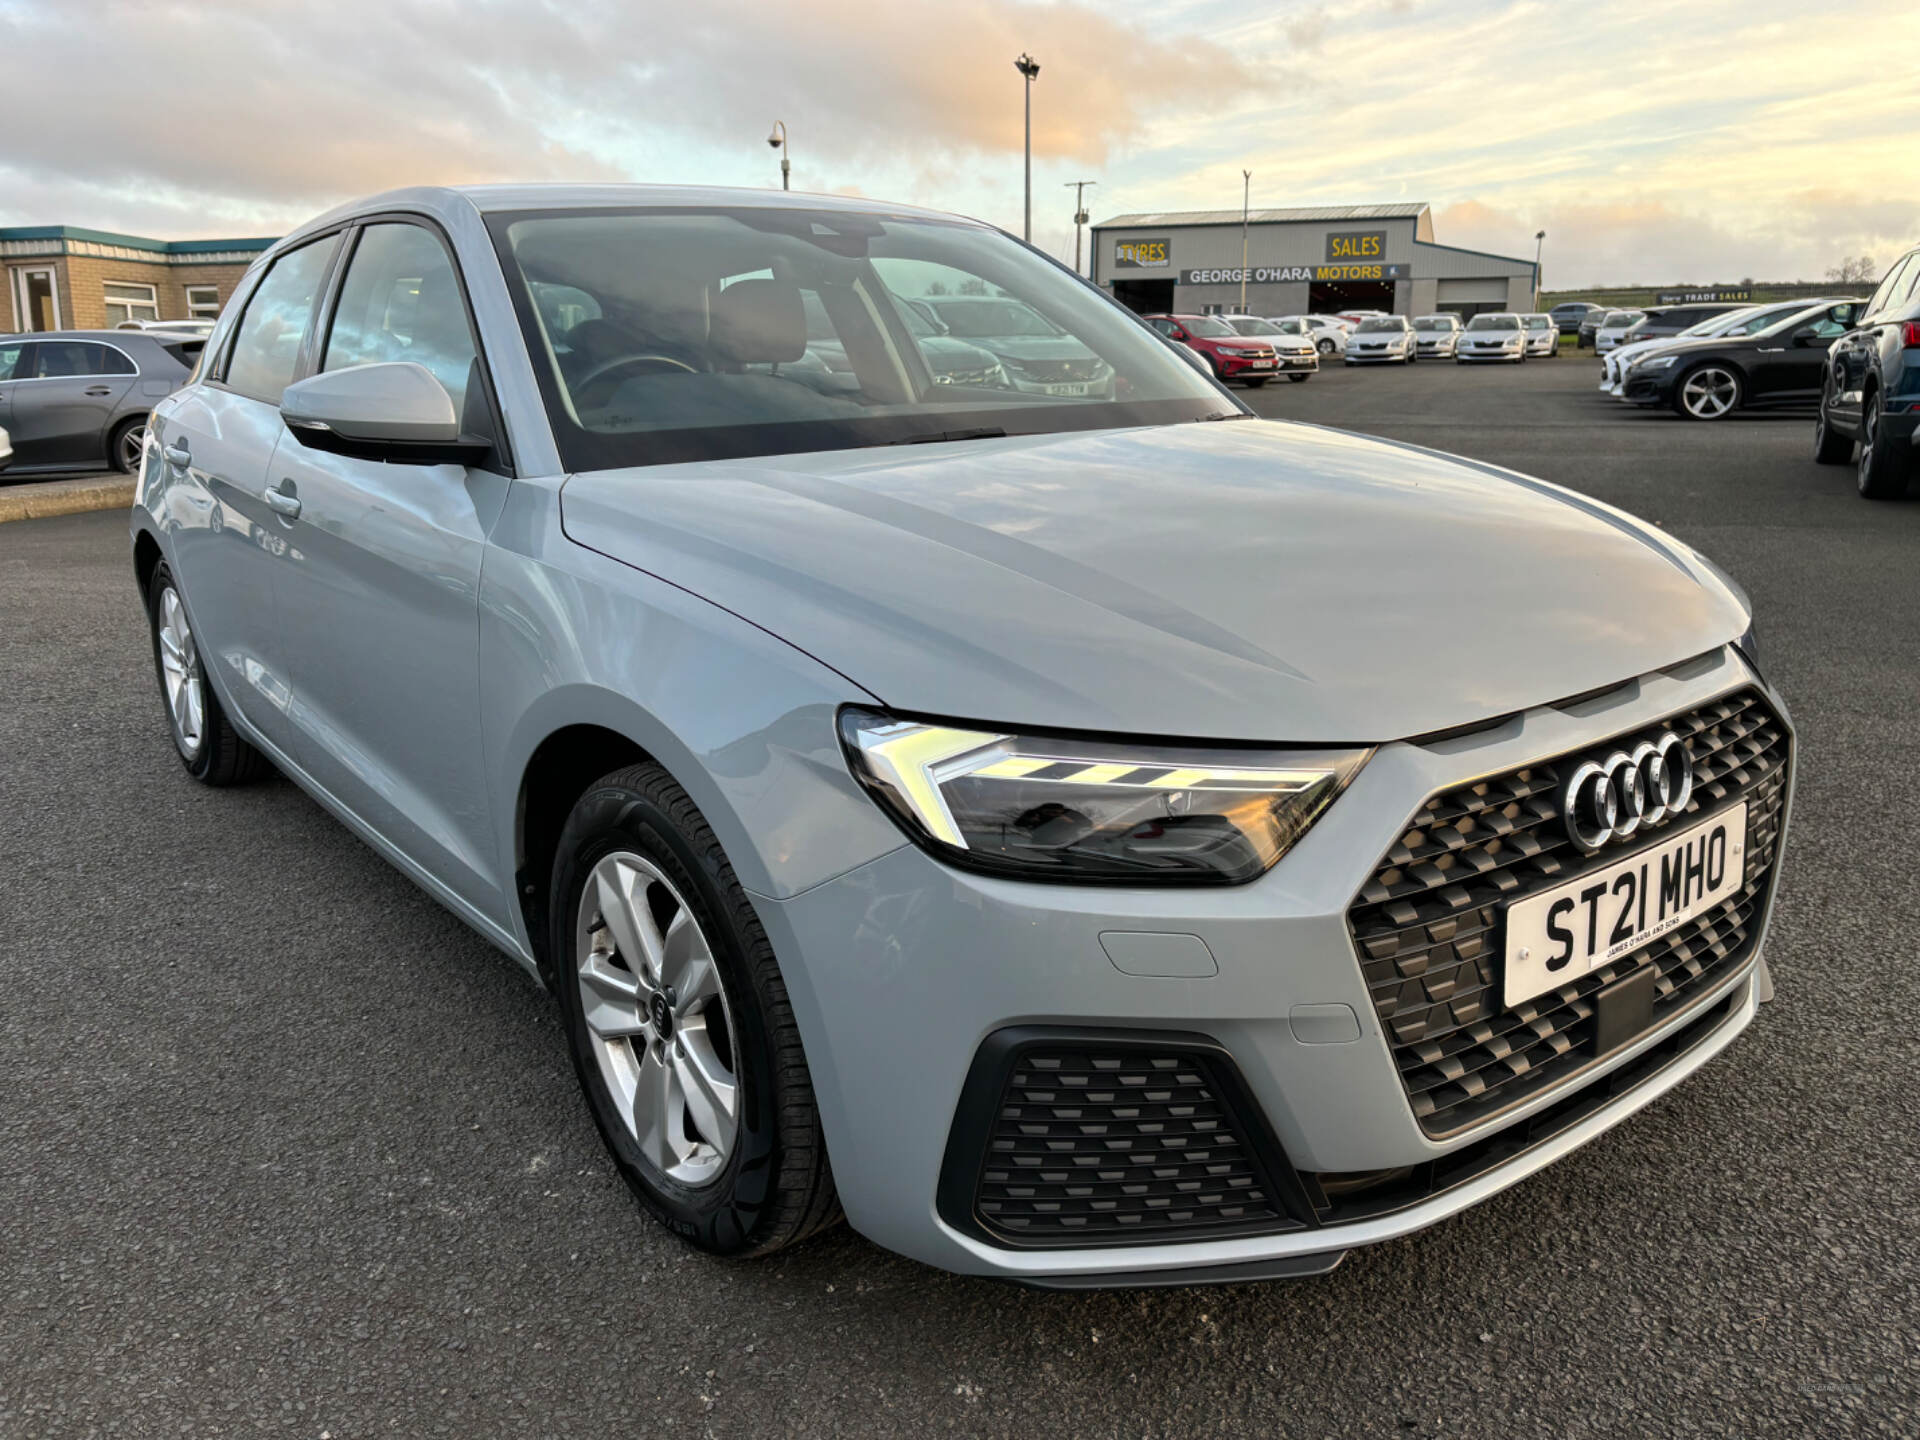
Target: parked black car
{"type": "Point", "coordinates": [77, 399]}
{"type": "Point", "coordinates": [1668, 320]}
{"type": "Point", "coordinates": [1871, 388]}
{"type": "Point", "coordinates": [1589, 332]}
{"type": "Point", "coordinates": [1568, 315]}
{"type": "Point", "coordinates": [1710, 378]}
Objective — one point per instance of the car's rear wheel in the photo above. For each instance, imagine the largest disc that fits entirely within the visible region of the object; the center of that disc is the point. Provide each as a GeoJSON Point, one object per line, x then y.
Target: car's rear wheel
{"type": "Point", "coordinates": [1882, 474]}
{"type": "Point", "coordinates": [1830, 447]}
{"type": "Point", "coordinates": [209, 746]}
{"type": "Point", "coordinates": [1254, 382]}
{"type": "Point", "coordinates": [679, 1023]}
{"type": "Point", "coordinates": [127, 443]}
{"type": "Point", "coordinates": [1296, 379]}
{"type": "Point", "coordinates": [1326, 346]}
{"type": "Point", "coordinates": [1707, 392]}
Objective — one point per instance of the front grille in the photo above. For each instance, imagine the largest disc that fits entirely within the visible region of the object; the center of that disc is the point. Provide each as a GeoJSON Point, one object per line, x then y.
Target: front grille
{"type": "Point", "coordinates": [1059, 371]}
{"type": "Point", "coordinates": [1429, 928]}
{"type": "Point", "coordinates": [1104, 1144]}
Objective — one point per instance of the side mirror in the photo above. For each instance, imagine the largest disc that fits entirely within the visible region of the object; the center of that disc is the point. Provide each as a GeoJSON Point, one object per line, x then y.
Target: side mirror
{"type": "Point", "coordinates": [396, 412]}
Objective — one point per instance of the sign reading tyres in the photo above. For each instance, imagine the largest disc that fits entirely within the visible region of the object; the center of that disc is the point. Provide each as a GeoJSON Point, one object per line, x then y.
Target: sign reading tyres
{"type": "Point", "coordinates": [1141, 254]}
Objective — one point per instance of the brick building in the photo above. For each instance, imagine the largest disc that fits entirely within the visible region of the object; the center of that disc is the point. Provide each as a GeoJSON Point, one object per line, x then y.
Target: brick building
{"type": "Point", "coordinates": [62, 278]}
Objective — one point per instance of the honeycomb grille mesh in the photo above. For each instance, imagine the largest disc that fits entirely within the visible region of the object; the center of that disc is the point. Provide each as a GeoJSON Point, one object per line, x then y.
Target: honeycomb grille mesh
{"type": "Point", "coordinates": [1094, 1145]}
{"type": "Point", "coordinates": [1428, 925]}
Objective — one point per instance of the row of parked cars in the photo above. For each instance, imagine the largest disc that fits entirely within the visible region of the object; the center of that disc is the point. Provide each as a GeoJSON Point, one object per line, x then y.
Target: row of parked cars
{"type": "Point", "coordinates": [1252, 349]}
{"type": "Point", "coordinates": [1854, 361]}
{"type": "Point", "coordinates": [79, 399]}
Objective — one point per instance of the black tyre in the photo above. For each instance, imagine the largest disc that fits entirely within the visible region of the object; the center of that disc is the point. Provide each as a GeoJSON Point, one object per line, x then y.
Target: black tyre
{"type": "Point", "coordinates": [208, 745]}
{"type": "Point", "coordinates": [1830, 447]}
{"type": "Point", "coordinates": [1297, 379]}
{"type": "Point", "coordinates": [129, 438]}
{"type": "Point", "coordinates": [1325, 346]}
{"type": "Point", "coordinates": [1255, 382]}
{"type": "Point", "coordinates": [679, 1023]}
{"type": "Point", "coordinates": [1883, 474]}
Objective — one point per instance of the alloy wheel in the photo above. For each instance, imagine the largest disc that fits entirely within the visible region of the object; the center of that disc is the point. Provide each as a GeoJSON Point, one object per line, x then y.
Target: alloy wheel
{"type": "Point", "coordinates": [180, 674]}
{"type": "Point", "coordinates": [133, 445]}
{"type": "Point", "coordinates": [1709, 393]}
{"type": "Point", "coordinates": [663, 1034]}
{"type": "Point", "coordinates": [1869, 440]}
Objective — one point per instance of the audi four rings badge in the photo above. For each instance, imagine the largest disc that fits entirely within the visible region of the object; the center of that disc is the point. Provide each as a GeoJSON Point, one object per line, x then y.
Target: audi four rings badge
{"type": "Point", "coordinates": [1628, 791]}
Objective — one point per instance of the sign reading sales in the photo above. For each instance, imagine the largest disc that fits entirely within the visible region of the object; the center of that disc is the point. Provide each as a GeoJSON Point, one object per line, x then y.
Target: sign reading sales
{"type": "Point", "coordinates": [1357, 245]}
{"type": "Point", "coordinates": [1141, 254]}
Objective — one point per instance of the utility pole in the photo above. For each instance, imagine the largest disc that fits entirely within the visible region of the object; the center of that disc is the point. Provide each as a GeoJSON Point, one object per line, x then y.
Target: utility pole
{"type": "Point", "coordinates": [1079, 216]}
{"type": "Point", "coordinates": [1246, 196]}
{"type": "Point", "coordinates": [1029, 68]}
{"type": "Point", "coordinates": [1539, 239]}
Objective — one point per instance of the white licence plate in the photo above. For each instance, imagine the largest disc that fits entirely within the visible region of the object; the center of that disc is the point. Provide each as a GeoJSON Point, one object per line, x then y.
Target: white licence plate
{"type": "Point", "coordinates": [1559, 936]}
{"type": "Point", "coordinates": [1263, 364]}
{"type": "Point", "coordinates": [1069, 389]}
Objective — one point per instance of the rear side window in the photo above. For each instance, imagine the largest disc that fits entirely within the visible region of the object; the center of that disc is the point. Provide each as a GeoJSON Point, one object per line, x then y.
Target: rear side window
{"type": "Point", "coordinates": [187, 352]}
{"type": "Point", "coordinates": [10, 366]}
{"type": "Point", "coordinates": [1895, 283]}
{"type": "Point", "coordinates": [266, 350]}
{"type": "Point", "coordinates": [401, 302]}
{"type": "Point", "coordinates": [63, 359]}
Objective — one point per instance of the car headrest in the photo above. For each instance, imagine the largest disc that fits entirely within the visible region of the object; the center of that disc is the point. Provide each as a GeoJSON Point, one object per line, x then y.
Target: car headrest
{"type": "Point", "coordinates": [759, 322]}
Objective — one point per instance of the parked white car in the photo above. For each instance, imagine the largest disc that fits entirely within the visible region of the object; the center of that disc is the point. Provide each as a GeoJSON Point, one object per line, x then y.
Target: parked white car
{"type": "Point", "coordinates": [1614, 365]}
{"type": "Point", "coordinates": [6, 449]}
{"type": "Point", "coordinates": [1293, 347]}
{"type": "Point", "coordinates": [1438, 335]}
{"type": "Point", "coordinates": [1382, 340]}
{"type": "Point", "coordinates": [1543, 335]}
{"type": "Point", "coordinates": [1329, 333]}
{"type": "Point", "coordinates": [1495, 335]}
{"type": "Point", "coordinates": [1613, 329]}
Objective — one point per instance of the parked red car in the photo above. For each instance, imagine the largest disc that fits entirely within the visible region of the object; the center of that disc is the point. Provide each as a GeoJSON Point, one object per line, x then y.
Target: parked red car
{"type": "Point", "coordinates": [1232, 355]}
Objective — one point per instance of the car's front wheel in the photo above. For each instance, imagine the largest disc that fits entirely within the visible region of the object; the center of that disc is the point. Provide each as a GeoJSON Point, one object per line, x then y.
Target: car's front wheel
{"type": "Point", "coordinates": [1882, 474]}
{"type": "Point", "coordinates": [679, 1023]}
{"type": "Point", "coordinates": [1830, 447]}
{"type": "Point", "coordinates": [1707, 392]}
{"type": "Point", "coordinates": [1296, 379]}
{"type": "Point", "coordinates": [1326, 346]}
{"type": "Point", "coordinates": [209, 746]}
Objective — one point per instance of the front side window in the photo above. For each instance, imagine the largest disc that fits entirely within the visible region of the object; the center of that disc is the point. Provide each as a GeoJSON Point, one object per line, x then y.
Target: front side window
{"type": "Point", "coordinates": [1894, 284]}
{"type": "Point", "coordinates": [707, 333]}
{"type": "Point", "coordinates": [10, 366]}
{"type": "Point", "coordinates": [401, 302]}
{"type": "Point", "coordinates": [127, 301]}
{"type": "Point", "coordinates": [266, 350]}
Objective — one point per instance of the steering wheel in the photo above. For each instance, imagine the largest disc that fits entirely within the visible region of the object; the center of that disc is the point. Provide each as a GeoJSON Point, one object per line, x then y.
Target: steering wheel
{"type": "Point", "coordinates": [625, 362]}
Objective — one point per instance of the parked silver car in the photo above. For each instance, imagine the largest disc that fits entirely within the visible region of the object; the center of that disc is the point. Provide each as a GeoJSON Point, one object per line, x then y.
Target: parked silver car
{"type": "Point", "coordinates": [1493, 335]}
{"type": "Point", "coordinates": [1543, 336]}
{"type": "Point", "coordinates": [1089, 846]}
{"type": "Point", "coordinates": [1382, 339]}
{"type": "Point", "coordinates": [1437, 335]}
{"type": "Point", "coordinates": [78, 399]}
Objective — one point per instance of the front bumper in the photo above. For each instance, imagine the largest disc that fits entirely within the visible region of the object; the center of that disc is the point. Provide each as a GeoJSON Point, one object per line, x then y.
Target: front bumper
{"type": "Point", "coordinates": [1469, 352]}
{"type": "Point", "coordinates": [901, 971]}
{"type": "Point", "coordinates": [1356, 356]}
{"type": "Point", "coordinates": [1649, 390]}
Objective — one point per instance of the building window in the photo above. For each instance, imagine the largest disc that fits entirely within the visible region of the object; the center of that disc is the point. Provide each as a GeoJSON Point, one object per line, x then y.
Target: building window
{"type": "Point", "coordinates": [130, 302]}
{"type": "Point", "coordinates": [203, 302]}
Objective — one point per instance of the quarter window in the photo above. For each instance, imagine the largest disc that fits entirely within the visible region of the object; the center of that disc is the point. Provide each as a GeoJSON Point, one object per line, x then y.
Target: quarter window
{"type": "Point", "coordinates": [266, 351]}
{"type": "Point", "coordinates": [127, 301]}
{"type": "Point", "coordinates": [203, 302]}
{"type": "Point", "coordinates": [401, 301]}
{"type": "Point", "coordinates": [1893, 285]}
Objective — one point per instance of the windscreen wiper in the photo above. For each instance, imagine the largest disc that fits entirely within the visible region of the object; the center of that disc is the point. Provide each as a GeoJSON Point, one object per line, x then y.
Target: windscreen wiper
{"type": "Point", "coordinates": [935, 437]}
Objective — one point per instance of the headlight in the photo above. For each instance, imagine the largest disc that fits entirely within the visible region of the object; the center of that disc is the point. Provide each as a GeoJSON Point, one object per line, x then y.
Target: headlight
{"type": "Point", "coordinates": [1654, 362]}
{"type": "Point", "coordinates": [1093, 812]}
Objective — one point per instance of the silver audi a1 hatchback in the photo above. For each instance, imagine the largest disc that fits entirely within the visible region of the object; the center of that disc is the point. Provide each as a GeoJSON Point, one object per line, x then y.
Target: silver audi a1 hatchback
{"type": "Point", "coordinates": [1086, 833]}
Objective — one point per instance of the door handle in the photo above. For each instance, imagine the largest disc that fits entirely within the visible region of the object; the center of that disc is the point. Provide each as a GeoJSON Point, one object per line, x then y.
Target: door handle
{"type": "Point", "coordinates": [178, 456]}
{"type": "Point", "coordinates": [99, 390]}
{"type": "Point", "coordinates": [282, 501]}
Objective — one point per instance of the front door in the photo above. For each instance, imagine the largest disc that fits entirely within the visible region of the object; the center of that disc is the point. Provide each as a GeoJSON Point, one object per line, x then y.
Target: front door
{"type": "Point", "coordinates": [1793, 363]}
{"type": "Point", "coordinates": [379, 595]}
{"type": "Point", "coordinates": [216, 441]}
{"type": "Point", "coordinates": [64, 394]}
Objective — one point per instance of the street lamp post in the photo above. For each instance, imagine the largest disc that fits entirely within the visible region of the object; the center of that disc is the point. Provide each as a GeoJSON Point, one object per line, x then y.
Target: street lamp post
{"type": "Point", "coordinates": [778, 140]}
{"type": "Point", "coordinates": [1029, 69]}
{"type": "Point", "coordinates": [1539, 239]}
{"type": "Point", "coordinates": [1079, 215]}
{"type": "Point", "coordinates": [1246, 195]}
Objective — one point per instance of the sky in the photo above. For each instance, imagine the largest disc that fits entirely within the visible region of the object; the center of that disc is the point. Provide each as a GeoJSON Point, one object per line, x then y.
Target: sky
{"type": "Point", "coordinates": [1656, 143]}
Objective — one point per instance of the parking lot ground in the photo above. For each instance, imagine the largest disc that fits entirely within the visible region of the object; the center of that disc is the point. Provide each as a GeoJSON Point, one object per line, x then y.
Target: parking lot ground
{"type": "Point", "coordinates": [285, 1150]}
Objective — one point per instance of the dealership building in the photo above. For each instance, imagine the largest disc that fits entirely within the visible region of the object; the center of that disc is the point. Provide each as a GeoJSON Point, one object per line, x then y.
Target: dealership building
{"type": "Point", "coordinates": [1316, 260]}
{"type": "Point", "coordinates": [60, 277]}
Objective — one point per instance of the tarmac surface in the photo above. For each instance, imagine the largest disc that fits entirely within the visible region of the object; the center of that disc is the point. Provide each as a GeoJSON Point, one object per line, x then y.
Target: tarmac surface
{"type": "Point", "coordinates": [286, 1150]}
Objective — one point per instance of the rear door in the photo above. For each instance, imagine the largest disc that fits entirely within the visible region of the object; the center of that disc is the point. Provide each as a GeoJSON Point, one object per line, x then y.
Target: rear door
{"type": "Point", "coordinates": [1793, 362]}
{"type": "Point", "coordinates": [63, 401]}
{"type": "Point", "coordinates": [379, 598]}
{"type": "Point", "coordinates": [12, 354]}
{"type": "Point", "coordinates": [215, 442]}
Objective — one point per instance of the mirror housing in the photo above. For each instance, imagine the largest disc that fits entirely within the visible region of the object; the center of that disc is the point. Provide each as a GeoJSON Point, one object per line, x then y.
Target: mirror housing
{"type": "Point", "coordinates": [396, 412]}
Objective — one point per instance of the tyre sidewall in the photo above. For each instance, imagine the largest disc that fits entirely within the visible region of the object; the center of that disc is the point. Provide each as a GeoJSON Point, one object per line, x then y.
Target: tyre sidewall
{"type": "Point", "coordinates": [200, 764]}
{"type": "Point", "coordinates": [722, 1214]}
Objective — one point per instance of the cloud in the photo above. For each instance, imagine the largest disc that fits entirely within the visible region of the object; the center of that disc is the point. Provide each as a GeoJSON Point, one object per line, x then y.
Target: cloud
{"type": "Point", "coordinates": [281, 106]}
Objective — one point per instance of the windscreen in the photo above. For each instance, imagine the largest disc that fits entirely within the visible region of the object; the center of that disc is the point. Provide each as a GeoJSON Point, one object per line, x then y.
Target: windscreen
{"type": "Point", "coordinates": [1380, 323]}
{"type": "Point", "coordinates": [1433, 322]}
{"type": "Point", "coordinates": [666, 335]}
{"type": "Point", "coordinates": [1494, 322]}
{"type": "Point", "coordinates": [1244, 326]}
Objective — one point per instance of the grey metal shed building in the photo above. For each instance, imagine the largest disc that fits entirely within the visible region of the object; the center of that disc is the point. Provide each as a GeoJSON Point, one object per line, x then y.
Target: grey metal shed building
{"type": "Point", "coordinates": [1313, 260]}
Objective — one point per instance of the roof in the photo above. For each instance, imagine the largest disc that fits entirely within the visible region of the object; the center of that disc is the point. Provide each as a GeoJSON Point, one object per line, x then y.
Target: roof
{"type": "Point", "coordinates": [1410, 210]}
{"type": "Point", "coordinates": [131, 242]}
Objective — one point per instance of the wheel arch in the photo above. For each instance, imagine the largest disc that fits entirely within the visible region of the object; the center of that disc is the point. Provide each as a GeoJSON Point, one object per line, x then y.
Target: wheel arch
{"type": "Point", "coordinates": [146, 558]}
